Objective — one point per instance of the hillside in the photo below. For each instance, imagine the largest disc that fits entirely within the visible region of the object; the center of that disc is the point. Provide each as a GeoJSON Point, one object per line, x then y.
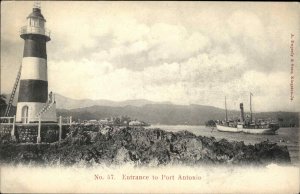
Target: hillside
{"type": "Point", "coordinates": [154, 112]}
{"type": "Point", "coordinates": [70, 103]}
{"type": "Point", "coordinates": [168, 113]}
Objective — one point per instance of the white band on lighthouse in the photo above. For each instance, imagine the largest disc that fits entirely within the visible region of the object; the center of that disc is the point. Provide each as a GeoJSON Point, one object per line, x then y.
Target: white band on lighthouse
{"type": "Point", "coordinates": [33, 109]}
{"type": "Point", "coordinates": [34, 68]}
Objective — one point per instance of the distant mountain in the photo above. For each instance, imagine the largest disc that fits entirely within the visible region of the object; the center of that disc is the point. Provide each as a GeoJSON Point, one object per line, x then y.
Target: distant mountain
{"type": "Point", "coordinates": [63, 102]}
{"type": "Point", "coordinates": [69, 103]}
{"type": "Point", "coordinates": [169, 114]}
{"type": "Point", "coordinates": [154, 112]}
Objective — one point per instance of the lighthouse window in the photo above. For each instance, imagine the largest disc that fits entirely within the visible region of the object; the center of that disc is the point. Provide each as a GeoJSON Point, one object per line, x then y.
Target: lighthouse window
{"type": "Point", "coordinates": [31, 22]}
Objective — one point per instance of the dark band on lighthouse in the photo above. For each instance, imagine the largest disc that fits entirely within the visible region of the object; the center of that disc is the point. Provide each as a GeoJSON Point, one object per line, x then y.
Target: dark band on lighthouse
{"type": "Point", "coordinates": [35, 46]}
{"type": "Point", "coordinates": [33, 91]}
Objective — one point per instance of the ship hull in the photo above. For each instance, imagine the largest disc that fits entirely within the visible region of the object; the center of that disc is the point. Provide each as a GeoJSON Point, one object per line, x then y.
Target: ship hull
{"type": "Point", "coordinates": [228, 129]}
{"type": "Point", "coordinates": [240, 128]}
{"type": "Point", "coordinates": [266, 131]}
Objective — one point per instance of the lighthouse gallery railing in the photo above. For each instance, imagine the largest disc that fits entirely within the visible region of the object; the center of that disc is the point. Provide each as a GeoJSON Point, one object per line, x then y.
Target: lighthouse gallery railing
{"type": "Point", "coordinates": [34, 30]}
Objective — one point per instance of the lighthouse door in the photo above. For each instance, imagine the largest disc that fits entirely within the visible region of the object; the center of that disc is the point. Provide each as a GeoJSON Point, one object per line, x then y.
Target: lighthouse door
{"type": "Point", "coordinates": [25, 114]}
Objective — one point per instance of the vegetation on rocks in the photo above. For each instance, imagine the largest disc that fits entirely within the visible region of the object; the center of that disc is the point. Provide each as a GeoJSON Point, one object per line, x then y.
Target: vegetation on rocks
{"type": "Point", "coordinates": [141, 147]}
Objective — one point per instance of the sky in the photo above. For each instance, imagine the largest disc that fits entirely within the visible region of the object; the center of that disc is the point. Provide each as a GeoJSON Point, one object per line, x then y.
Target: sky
{"type": "Point", "coordinates": [181, 52]}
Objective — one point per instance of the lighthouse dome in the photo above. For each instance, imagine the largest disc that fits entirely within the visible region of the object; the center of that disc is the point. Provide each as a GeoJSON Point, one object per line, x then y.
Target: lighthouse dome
{"type": "Point", "coordinates": [35, 24]}
{"type": "Point", "coordinates": [36, 13]}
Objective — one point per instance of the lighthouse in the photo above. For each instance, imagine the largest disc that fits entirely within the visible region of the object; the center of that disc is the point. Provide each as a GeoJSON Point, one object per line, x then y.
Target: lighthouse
{"type": "Point", "coordinates": [34, 101]}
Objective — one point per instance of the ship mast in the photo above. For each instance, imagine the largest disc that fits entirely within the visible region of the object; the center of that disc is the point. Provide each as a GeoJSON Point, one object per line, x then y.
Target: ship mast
{"type": "Point", "coordinates": [226, 110]}
{"type": "Point", "coordinates": [251, 107]}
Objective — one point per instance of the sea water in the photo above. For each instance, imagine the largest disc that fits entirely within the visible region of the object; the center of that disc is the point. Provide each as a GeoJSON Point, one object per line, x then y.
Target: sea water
{"type": "Point", "coordinates": [284, 136]}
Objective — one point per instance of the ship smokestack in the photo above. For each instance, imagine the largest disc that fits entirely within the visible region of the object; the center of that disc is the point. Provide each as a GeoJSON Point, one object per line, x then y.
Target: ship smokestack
{"type": "Point", "coordinates": [242, 112]}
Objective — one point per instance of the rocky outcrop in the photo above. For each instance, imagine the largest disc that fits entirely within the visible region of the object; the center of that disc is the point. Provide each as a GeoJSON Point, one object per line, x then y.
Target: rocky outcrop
{"type": "Point", "coordinates": [142, 147]}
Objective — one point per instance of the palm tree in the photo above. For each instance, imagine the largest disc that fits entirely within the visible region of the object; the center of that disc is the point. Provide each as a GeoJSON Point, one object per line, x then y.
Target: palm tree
{"type": "Point", "coordinates": [3, 103]}
{"type": "Point", "coordinates": [2, 99]}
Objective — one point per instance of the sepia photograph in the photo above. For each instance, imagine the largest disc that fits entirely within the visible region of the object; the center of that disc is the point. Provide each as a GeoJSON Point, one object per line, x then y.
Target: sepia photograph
{"type": "Point", "coordinates": [149, 97]}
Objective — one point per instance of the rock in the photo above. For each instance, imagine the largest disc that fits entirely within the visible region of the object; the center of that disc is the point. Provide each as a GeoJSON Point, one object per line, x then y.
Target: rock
{"type": "Point", "coordinates": [122, 156]}
{"type": "Point", "coordinates": [142, 147]}
{"type": "Point", "coordinates": [105, 130]}
{"type": "Point", "coordinates": [93, 136]}
{"type": "Point", "coordinates": [188, 149]}
{"type": "Point", "coordinates": [171, 137]}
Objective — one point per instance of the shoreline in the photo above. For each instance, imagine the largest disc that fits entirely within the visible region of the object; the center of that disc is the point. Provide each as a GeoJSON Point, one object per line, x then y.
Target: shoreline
{"type": "Point", "coordinates": [143, 147]}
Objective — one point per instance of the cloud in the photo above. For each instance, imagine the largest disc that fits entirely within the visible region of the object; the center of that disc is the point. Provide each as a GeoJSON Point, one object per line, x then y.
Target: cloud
{"type": "Point", "coordinates": [200, 80]}
{"type": "Point", "coordinates": [152, 46]}
{"type": "Point", "coordinates": [183, 53]}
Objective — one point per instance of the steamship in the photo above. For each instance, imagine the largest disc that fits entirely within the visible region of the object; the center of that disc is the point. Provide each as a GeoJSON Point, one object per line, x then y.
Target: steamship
{"type": "Point", "coordinates": [247, 125]}
{"type": "Point", "coordinates": [229, 125]}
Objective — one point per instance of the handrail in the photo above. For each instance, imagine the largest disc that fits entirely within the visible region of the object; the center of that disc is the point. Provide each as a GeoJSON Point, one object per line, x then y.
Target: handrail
{"type": "Point", "coordinates": [4, 120]}
{"type": "Point", "coordinates": [6, 117]}
{"type": "Point", "coordinates": [39, 124]}
{"type": "Point", "coordinates": [67, 118]}
{"type": "Point", "coordinates": [35, 117]}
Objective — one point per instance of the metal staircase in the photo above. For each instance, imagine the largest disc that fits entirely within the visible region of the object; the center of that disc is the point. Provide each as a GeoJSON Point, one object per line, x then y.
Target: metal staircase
{"type": "Point", "coordinates": [47, 106]}
{"type": "Point", "coordinates": [12, 96]}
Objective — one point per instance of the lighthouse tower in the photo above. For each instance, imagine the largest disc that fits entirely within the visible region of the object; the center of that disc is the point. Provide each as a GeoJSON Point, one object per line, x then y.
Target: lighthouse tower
{"type": "Point", "coordinates": [34, 102]}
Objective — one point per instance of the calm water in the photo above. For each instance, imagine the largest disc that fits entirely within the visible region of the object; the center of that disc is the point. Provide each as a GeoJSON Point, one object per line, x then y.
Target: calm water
{"type": "Point", "coordinates": [284, 136]}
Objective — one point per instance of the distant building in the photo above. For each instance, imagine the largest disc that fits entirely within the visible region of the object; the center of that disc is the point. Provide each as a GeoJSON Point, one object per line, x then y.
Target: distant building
{"type": "Point", "coordinates": [134, 123]}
